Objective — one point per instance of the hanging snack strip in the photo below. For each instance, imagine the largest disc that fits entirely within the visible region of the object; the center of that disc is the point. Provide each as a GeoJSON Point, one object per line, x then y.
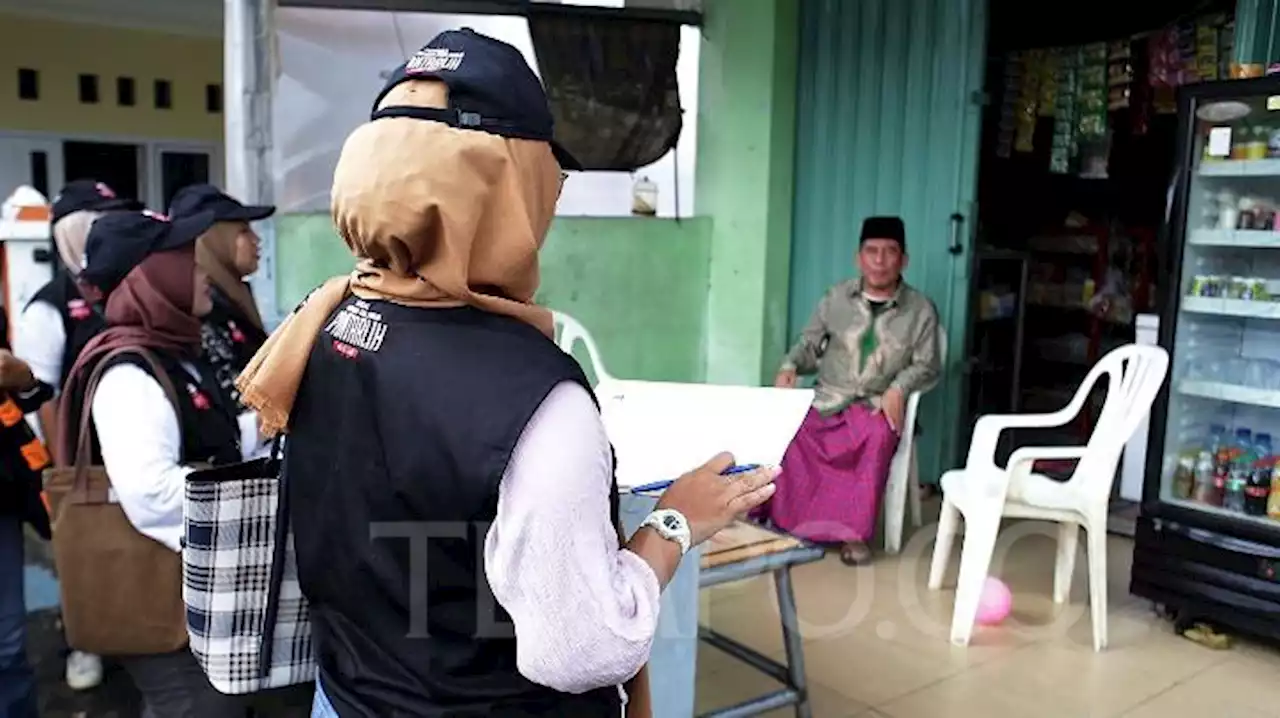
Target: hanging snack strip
{"type": "Point", "coordinates": [1119, 74]}
{"type": "Point", "coordinates": [1009, 105]}
{"type": "Point", "coordinates": [1028, 98]}
{"type": "Point", "coordinates": [1164, 73]}
{"type": "Point", "coordinates": [1049, 82]}
{"type": "Point", "coordinates": [1093, 91]}
{"type": "Point", "coordinates": [1064, 113]}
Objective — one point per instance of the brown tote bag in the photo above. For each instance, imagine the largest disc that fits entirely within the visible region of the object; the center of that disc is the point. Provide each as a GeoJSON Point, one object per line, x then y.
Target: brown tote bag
{"type": "Point", "coordinates": [121, 590]}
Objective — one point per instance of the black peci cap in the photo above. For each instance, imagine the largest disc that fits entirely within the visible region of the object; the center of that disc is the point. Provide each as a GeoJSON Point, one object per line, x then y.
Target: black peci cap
{"type": "Point", "coordinates": [198, 198]}
{"type": "Point", "coordinates": [491, 88]}
{"type": "Point", "coordinates": [87, 194]}
{"type": "Point", "coordinates": [884, 228]}
{"type": "Point", "coordinates": [119, 241]}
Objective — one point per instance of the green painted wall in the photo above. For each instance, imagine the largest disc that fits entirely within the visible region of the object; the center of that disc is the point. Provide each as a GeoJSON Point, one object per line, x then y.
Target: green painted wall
{"type": "Point", "coordinates": [746, 145]}
{"type": "Point", "coordinates": [638, 285]}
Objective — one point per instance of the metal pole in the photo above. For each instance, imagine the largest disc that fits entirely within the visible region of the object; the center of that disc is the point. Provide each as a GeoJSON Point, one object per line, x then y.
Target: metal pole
{"type": "Point", "coordinates": [248, 81]}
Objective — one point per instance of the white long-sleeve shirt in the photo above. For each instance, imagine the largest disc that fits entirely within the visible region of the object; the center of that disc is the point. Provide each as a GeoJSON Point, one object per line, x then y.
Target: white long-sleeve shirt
{"type": "Point", "coordinates": [40, 341]}
{"type": "Point", "coordinates": [141, 443]}
{"type": "Point", "coordinates": [585, 610]}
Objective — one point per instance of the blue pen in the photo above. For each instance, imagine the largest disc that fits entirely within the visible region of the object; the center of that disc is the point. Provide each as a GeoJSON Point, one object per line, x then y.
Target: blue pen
{"type": "Point", "coordinates": [660, 485]}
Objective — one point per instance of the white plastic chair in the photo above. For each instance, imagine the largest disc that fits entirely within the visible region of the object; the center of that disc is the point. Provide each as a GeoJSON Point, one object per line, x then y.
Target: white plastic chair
{"type": "Point", "coordinates": [569, 332]}
{"type": "Point", "coordinates": [903, 485]}
{"type": "Point", "coordinates": [985, 493]}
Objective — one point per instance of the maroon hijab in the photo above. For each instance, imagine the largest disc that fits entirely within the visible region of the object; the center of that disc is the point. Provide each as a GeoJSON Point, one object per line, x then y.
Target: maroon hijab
{"type": "Point", "coordinates": [152, 309]}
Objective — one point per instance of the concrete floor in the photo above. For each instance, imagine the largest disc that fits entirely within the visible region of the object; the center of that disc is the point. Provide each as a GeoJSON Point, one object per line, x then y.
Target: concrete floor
{"type": "Point", "coordinates": [877, 646]}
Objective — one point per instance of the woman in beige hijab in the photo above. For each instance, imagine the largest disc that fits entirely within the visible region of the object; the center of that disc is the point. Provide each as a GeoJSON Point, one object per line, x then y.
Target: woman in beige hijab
{"type": "Point", "coordinates": [450, 486]}
{"type": "Point", "coordinates": [233, 332]}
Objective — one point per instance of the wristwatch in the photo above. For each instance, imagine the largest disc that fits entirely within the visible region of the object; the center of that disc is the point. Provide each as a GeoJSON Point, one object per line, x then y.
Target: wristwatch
{"type": "Point", "coordinates": [672, 526]}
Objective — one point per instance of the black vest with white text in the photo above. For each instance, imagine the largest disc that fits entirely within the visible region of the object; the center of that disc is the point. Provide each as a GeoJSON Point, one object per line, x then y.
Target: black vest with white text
{"type": "Point", "coordinates": [400, 434]}
{"type": "Point", "coordinates": [81, 320]}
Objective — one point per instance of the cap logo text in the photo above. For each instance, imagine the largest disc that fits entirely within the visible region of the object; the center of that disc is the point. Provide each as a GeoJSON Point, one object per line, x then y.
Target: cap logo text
{"type": "Point", "coordinates": [155, 215]}
{"type": "Point", "coordinates": [433, 59]}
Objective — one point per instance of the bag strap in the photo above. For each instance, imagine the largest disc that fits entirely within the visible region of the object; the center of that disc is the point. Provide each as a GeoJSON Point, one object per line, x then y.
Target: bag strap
{"type": "Point", "coordinates": [80, 485]}
{"type": "Point", "coordinates": [266, 642]}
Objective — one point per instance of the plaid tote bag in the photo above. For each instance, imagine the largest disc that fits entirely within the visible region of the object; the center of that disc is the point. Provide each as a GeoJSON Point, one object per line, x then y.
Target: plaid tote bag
{"type": "Point", "coordinates": [249, 622]}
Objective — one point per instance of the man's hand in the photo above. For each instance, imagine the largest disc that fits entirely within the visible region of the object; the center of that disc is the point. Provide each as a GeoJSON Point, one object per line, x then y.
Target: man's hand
{"type": "Point", "coordinates": [15, 375]}
{"type": "Point", "coordinates": [894, 406]}
{"type": "Point", "coordinates": [786, 379]}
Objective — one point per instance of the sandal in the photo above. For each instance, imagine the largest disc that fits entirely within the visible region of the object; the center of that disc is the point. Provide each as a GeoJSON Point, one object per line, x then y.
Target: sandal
{"type": "Point", "coordinates": [1205, 635]}
{"type": "Point", "coordinates": [855, 554]}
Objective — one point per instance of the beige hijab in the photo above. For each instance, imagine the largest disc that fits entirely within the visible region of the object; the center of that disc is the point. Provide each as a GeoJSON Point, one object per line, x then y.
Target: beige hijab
{"type": "Point", "coordinates": [70, 235]}
{"type": "Point", "coordinates": [437, 217]}
{"type": "Point", "coordinates": [216, 253]}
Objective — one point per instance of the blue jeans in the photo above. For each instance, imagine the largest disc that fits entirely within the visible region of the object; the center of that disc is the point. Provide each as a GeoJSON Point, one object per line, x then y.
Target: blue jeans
{"type": "Point", "coordinates": [17, 682]}
{"type": "Point", "coordinates": [320, 706]}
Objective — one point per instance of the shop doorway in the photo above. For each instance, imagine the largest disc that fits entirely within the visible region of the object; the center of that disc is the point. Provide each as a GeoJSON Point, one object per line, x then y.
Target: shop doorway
{"type": "Point", "coordinates": [1077, 160]}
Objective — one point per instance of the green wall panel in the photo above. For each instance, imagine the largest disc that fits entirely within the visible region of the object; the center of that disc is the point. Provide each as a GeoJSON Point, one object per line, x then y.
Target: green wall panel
{"type": "Point", "coordinates": [888, 124]}
{"type": "Point", "coordinates": [638, 285]}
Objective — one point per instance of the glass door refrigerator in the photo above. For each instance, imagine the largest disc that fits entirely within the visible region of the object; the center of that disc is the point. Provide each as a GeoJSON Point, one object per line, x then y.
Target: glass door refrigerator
{"type": "Point", "coordinates": [1207, 546]}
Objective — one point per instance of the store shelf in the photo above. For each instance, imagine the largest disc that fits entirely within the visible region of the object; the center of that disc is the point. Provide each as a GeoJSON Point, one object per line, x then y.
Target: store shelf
{"type": "Point", "coordinates": [1233, 393]}
{"type": "Point", "coordinates": [1240, 168]}
{"type": "Point", "coordinates": [1219, 511]}
{"type": "Point", "coordinates": [1244, 238]}
{"type": "Point", "coordinates": [1232, 307]}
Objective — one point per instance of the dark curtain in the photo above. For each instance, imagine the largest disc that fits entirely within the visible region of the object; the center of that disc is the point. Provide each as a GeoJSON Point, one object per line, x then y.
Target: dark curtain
{"type": "Point", "coordinates": [612, 85]}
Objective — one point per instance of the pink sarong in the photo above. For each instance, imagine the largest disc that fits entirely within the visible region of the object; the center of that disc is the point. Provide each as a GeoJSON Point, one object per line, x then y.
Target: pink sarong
{"type": "Point", "coordinates": [833, 477]}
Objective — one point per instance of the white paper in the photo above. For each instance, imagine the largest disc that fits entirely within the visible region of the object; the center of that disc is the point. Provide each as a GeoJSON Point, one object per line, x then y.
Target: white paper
{"type": "Point", "coordinates": [1220, 142]}
{"type": "Point", "coordinates": [660, 430]}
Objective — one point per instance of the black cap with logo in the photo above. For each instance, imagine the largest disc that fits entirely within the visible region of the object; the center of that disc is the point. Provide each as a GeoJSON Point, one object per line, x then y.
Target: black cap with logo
{"type": "Point", "coordinates": [199, 198]}
{"type": "Point", "coordinates": [491, 88]}
{"type": "Point", "coordinates": [87, 194]}
{"type": "Point", "coordinates": [119, 241]}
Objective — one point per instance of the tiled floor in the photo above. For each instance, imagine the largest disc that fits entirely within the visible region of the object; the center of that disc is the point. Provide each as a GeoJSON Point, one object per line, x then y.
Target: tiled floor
{"type": "Point", "coordinates": [876, 646]}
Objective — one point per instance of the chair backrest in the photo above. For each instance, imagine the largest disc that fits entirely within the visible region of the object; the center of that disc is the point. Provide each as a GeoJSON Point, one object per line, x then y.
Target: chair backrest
{"type": "Point", "coordinates": [569, 332]}
{"type": "Point", "coordinates": [1134, 374]}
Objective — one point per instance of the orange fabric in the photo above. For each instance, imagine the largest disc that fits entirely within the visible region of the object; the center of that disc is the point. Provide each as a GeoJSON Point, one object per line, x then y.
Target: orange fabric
{"type": "Point", "coordinates": [437, 217]}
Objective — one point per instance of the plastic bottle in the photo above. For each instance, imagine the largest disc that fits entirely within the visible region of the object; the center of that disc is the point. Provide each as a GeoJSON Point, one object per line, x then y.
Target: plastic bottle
{"type": "Point", "coordinates": [1262, 445]}
{"type": "Point", "coordinates": [1206, 488]}
{"type": "Point", "coordinates": [1184, 476]}
{"type": "Point", "coordinates": [1273, 501]}
{"type": "Point", "coordinates": [1257, 492]}
{"type": "Point", "coordinates": [1242, 465]}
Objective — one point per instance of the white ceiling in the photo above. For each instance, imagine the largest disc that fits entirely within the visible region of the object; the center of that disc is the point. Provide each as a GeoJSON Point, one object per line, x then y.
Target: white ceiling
{"type": "Point", "coordinates": [188, 17]}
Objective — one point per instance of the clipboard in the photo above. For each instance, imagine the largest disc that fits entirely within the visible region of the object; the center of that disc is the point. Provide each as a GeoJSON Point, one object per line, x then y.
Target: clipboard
{"type": "Point", "coordinates": [660, 430]}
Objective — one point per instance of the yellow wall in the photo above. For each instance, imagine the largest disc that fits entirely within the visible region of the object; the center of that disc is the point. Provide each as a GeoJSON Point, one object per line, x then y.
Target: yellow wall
{"type": "Point", "coordinates": [62, 51]}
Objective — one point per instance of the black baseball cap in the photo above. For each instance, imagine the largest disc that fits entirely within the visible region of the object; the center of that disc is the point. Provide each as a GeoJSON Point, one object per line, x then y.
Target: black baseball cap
{"type": "Point", "coordinates": [119, 241]}
{"type": "Point", "coordinates": [198, 198]}
{"type": "Point", "coordinates": [88, 194]}
{"type": "Point", "coordinates": [491, 88]}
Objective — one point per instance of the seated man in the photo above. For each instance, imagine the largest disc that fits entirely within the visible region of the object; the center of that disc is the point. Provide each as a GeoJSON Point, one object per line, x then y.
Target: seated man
{"type": "Point", "coordinates": [872, 341]}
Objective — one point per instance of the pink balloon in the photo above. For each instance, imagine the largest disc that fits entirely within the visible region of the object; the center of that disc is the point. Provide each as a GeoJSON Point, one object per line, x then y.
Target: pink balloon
{"type": "Point", "coordinates": [995, 603]}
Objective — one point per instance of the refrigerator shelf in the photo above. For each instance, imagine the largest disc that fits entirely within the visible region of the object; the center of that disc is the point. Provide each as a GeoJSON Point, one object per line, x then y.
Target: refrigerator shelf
{"type": "Point", "coordinates": [1233, 393]}
{"type": "Point", "coordinates": [1243, 238]}
{"type": "Point", "coordinates": [1232, 307]}
{"type": "Point", "coordinates": [1241, 168]}
{"type": "Point", "coordinates": [1266, 521]}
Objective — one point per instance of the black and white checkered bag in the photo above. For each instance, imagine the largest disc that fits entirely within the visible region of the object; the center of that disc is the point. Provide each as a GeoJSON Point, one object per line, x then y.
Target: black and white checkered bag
{"type": "Point", "coordinates": [249, 622]}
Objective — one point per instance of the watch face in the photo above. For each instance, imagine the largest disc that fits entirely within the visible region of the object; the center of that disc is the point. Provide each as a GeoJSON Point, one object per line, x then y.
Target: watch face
{"type": "Point", "coordinates": [671, 522]}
